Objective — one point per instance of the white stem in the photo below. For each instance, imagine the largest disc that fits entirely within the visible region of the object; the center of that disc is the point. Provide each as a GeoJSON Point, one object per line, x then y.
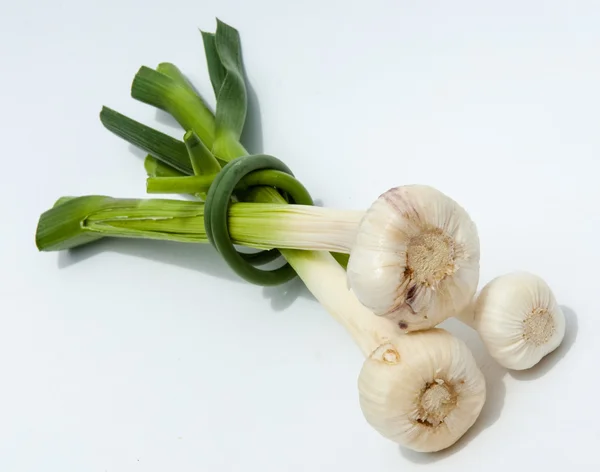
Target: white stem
{"type": "Point", "coordinates": [304, 227]}
{"type": "Point", "coordinates": [326, 280]}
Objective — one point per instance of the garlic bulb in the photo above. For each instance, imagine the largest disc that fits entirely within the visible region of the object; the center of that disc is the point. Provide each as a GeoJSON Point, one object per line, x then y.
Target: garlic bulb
{"type": "Point", "coordinates": [415, 258]}
{"type": "Point", "coordinates": [518, 319]}
{"type": "Point", "coordinates": [423, 390]}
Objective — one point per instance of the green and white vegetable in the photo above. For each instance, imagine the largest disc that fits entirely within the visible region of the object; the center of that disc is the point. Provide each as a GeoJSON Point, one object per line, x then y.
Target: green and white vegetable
{"type": "Point", "coordinates": [414, 254]}
{"type": "Point", "coordinates": [421, 390]}
{"type": "Point", "coordinates": [412, 257]}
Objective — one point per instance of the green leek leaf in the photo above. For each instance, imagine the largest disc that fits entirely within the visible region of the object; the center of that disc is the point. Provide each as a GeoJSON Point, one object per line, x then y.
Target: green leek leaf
{"type": "Point", "coordinates": [232, 97]}
{"type": "Point", "coordinates": [216, 71]}
{"type": "Point", "coordinates": [156, 168]}
{"type": "Point", "coordinates": [82, 220]}
{"type": "Point", "coordinates": [174, 94]}
{"type": "Point", "coordinates": [203, 162]}
{"type": "Point", "coordinates": [163, 147]}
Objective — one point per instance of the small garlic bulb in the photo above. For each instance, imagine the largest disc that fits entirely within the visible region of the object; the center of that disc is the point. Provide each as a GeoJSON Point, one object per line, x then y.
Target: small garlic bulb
{"type": "Point", "coordinates": [415, 259]}
{"type": "Point", "coordinates": [518, 319]}
{"type": "Point", "coordinates": [422, 390]}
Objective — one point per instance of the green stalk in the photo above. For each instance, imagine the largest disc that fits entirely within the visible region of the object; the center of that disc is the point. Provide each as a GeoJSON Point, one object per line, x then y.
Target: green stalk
{"type": "Point", "coordinates": [189, 184]}
{"type": "Point", "coordinates": [75, 221]}
{"type": "Point", "coordinates": [82, 220]}
{"type": "Point", "coordinates": [229, 85]}
{"type": "Point", "coordinates": [169, 90]}
{"type": "Point", "coordinates": [302, 227]}
{"type": "Point", "coordinates": [303, 262]}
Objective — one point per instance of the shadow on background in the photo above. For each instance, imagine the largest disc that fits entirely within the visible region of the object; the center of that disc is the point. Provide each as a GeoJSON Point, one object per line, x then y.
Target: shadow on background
{"type": "Point", "coordinates": [252, 135]}
{"type": "Point", "coordinates": [283, 296]}
{"type": "Point", "coordinates": [201, 258]}
{"type": "Point", "coordinates": [166, 119]}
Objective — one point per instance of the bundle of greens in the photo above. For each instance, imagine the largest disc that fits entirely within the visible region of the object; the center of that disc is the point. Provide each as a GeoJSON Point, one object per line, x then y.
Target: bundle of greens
{"type": "Point", "coordinates": [389, 274]}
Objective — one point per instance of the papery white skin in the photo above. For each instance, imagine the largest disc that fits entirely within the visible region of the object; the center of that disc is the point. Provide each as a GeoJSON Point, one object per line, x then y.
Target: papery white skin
{"type": "Point", "coordinates": [399, 367]}
{"type": "Point", "coordinates": [518, 319]}
{"type": "Point", "coordinates": [404, 224]}
{"type": "Point", "coordinates": [423, 390]}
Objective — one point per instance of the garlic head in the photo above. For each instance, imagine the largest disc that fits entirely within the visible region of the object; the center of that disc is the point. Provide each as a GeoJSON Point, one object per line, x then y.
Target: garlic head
{"type": "Point", "coordinates": [415, 258]}
{"type": "Point", "coordinates": [518, 319]}
{"type": "Point", "coordinates": [422, 390]}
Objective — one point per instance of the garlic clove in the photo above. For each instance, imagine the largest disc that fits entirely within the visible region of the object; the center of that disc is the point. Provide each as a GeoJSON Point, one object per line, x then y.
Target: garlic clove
{"type": "Point", "coordinates": [422, 390]}
{"type": "Point", "coordinates": [518, 319]}
{"type": "Point", "coordinates": [415, 258]}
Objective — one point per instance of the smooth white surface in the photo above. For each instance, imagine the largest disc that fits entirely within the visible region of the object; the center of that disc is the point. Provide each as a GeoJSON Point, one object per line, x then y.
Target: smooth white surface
{"type": "Point", "coordinates": [133, 356]}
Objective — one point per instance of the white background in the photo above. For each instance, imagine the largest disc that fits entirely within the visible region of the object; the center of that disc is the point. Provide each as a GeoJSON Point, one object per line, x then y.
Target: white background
{"type": "Point", "coordinates": [128, 356]}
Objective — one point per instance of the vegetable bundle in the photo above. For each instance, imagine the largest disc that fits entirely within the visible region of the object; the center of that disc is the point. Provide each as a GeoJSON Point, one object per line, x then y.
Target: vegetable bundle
{"type": "Point", "coordinates": [389, 274]}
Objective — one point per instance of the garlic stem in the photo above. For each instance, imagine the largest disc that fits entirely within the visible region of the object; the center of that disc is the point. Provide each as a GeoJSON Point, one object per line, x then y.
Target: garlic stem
{"type": "Point", "coordinates": [326, 280]}
{"type": "Point", "coordinates": [294, 226]}
{"type": "Point", "coordinates": [467, 315]}
{"type": "Point", "coordinates": [421, 390]}
{"type": "Point", "coordinates": [255, 225]}
{"type": "Point", "coordinates": [414, 254]}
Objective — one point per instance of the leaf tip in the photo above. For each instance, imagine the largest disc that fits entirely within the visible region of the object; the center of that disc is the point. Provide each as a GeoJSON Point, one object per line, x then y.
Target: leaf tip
{"type": "Point", "coordinates": [225, 26]}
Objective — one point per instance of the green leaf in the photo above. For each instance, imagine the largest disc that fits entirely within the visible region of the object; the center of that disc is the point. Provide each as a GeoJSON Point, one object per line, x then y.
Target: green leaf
{"type": "Point", "coordinates": [61, 226]}
{"type": "Point", "coordinates": [173, 72]}
{"type": "Point", "coordinates": [216, 71]}
{"type": "Point", "coordinates": [203, 162]}
{"type": "Point", "coordinates": [62, 200]}
{"type": "Point", "coordinates": [232, 98]}
{"type": "Point", "coordinates": [82, 220]}
{"type": "Point", "coordinates": [156, 168]}
{"type": "Point", "coordinates": [163, 147]}
{"type": "Point", "coordinates": [173, 94]}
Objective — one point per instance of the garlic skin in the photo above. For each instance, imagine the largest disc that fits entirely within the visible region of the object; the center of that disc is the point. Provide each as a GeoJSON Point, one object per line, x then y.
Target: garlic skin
{"type": "Point", "coordinates": [423, 390]}
{"type": "Point", "coordinates": [518, 319]}
{"type": "Point", "coordinates": [415, 258]}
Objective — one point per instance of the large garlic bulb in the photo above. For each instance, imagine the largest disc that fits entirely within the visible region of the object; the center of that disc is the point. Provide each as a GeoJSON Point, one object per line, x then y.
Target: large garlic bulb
{"type": "Point", "coordinates": [518, 319]}
{"type": "Point", "coordinates": [422, 390]}
{"type": "Point", "coordinates": [415, 258]}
